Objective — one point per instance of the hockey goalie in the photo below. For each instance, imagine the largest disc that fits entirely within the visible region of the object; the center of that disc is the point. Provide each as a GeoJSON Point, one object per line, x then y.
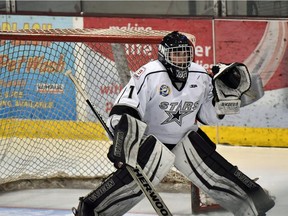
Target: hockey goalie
{"type": "Point", "coordinates": [154, 122]}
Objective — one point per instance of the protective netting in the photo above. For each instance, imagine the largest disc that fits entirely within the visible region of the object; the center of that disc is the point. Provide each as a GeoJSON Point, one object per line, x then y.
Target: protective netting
{"type": "Point", "coordinates": [47, 129]}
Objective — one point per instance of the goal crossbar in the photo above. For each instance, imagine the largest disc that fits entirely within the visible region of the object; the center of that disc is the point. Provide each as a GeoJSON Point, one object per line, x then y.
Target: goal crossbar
{"type": "Point", "coordinates": [90, 35]}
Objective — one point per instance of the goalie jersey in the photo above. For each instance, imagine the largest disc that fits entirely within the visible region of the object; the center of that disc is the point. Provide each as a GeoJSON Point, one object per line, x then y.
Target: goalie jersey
{"type": "Point", "coordinates": [168, 112]}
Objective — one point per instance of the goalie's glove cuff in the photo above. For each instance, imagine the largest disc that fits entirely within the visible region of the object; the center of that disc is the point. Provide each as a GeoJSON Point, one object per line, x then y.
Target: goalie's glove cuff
{"type": "Point", "coordinates": [227, 107]}
{"type": "Point", "coordinates": [230, 81]}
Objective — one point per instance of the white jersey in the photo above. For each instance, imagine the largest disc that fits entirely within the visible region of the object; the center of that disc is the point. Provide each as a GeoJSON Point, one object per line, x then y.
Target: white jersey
{"type": "Point", "coordinates": [168, 112]}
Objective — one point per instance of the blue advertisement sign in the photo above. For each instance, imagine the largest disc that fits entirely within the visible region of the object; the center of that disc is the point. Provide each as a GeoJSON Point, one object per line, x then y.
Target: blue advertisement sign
{"type": "Point", "coordinates": [32, 80]}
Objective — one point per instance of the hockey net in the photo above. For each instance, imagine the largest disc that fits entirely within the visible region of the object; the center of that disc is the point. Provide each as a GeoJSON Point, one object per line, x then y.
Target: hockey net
{"type": "Point", "coordinates": [48, 133]}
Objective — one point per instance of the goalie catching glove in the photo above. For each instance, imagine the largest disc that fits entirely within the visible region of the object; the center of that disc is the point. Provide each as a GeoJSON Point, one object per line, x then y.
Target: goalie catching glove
{"type": "Point", "coordinates": [230, 82]}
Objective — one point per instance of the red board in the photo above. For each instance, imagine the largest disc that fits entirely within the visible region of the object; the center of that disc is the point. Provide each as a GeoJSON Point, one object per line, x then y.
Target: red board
{"type": "Point", "coordinates": [261, 45]}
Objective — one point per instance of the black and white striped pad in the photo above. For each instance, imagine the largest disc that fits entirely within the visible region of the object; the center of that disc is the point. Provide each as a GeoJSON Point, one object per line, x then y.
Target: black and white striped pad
{"type": "Point", "coordinates": [119, 192]}
{"type": "Point", "coordinates": [214, 175]}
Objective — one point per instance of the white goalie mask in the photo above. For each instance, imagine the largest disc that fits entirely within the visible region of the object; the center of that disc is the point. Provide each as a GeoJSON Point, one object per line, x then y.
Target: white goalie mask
{"type": "Point", "coordinates": [176, 53]}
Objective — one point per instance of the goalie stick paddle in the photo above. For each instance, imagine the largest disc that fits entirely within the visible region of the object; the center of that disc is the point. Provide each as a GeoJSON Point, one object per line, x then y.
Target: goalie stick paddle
{"type": "Point", "coordinates": [136, 172]}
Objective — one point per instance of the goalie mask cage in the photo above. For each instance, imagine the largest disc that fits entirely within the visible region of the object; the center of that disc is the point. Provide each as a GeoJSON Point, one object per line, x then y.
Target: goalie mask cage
{"type": "Point", "coordinates": [47, 130]}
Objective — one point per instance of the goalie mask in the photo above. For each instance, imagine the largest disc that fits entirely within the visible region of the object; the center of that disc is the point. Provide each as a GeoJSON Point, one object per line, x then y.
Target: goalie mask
{"type": "Point", "coordinates": [175, 52]}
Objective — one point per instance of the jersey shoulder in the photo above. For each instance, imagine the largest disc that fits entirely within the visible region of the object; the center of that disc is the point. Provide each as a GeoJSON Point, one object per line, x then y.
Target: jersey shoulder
{"type": "Point", "coordinates": [197, 68]}
{"type": "Point", "coordinates": [154, 66]}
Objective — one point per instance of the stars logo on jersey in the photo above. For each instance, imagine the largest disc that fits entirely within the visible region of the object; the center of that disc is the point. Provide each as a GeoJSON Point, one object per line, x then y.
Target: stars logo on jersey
{"type": "Point", "coordinates": [164, 90]}
{"type": "Point", "coordinates": [176, 112]}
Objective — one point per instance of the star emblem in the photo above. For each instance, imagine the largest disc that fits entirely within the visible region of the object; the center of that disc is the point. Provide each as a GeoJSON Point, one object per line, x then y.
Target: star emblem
{"type": "Point", "coordinates": [176, 115]}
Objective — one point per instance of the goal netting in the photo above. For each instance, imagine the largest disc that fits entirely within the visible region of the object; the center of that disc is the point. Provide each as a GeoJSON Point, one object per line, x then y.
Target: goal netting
{"type": "Point", "coordinates": [47, 130]}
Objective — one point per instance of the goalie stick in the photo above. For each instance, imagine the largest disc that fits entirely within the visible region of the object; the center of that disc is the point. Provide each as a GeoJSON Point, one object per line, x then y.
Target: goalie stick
{"type": "Point", "coordinates": [136, 172]}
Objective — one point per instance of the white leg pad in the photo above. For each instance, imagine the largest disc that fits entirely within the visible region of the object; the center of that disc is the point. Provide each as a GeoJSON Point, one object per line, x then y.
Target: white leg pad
{"type": "Point", "coordinates": [119, 193]}
{"type": "Point", "coordinates": [224, 191]}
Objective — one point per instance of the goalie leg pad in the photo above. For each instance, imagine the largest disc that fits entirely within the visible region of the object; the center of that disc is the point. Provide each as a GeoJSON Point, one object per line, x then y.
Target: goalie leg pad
{"type": "Point", "coordinates": [119, 192]}
{"type": "Point", "coordinates": [222, 181]}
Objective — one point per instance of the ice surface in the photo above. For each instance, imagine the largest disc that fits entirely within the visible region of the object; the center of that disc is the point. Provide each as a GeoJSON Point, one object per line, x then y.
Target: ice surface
{"type": "Point", "coordinates": [269, 164]}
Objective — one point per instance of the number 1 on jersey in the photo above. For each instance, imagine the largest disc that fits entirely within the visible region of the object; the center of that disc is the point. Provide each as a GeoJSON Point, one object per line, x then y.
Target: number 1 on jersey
{"type": "Point", "coordinates": [131, 91]}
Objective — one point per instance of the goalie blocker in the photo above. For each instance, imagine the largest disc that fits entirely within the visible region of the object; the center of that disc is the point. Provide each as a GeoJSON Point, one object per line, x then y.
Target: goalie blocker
{"type": "Point", "coordinates": [215, 176]}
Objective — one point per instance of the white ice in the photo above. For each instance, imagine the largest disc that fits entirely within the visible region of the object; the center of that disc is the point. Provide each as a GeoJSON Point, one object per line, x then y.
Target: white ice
{"type": "Point", "coordinates": [269, 164]}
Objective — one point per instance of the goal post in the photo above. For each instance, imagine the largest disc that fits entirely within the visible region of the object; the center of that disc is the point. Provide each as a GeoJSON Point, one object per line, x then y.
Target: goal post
{"type": "Point", "coordinates": [47, 129]}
